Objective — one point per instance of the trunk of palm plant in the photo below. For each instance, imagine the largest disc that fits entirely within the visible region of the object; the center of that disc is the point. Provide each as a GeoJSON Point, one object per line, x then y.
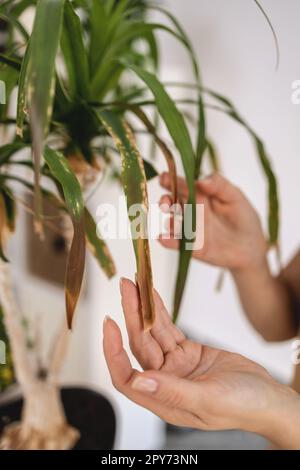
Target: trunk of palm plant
{"type": "Point", "coordinates": [43, 424]}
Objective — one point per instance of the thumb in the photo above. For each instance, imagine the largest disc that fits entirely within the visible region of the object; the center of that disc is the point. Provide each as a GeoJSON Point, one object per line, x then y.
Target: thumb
{"type": "Point", "coordinates": [169, 390]}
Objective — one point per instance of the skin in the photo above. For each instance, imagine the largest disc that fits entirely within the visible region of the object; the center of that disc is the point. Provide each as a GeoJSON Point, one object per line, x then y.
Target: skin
{"type": "Point", "coordinates": [189, 384]}
{"type": "Point", "coordinates": [234, 239]}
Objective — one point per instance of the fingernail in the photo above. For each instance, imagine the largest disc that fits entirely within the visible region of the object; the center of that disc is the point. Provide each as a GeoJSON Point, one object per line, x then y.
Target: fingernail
{"type": "Point", "coordinates": [205, 178]}
{"type": "Point", "coordinates": [121, 283]}
{"type": "Point", "coordinates": [162, 177]}
{"type": "Point", "coordinates": [141, 384]}
{"type": "Point", "coordinates": [106, 318]}
{"type": "Point", "coordinates": [164, 207]}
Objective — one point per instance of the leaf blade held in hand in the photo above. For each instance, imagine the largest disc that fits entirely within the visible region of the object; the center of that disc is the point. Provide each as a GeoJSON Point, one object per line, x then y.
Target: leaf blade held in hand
{"type": "Point", "coordinates": [179, 132]}
{"type": "Point", "coordinates": [135, 188]}
{"type": "Point", "coordinates": [163, 147]}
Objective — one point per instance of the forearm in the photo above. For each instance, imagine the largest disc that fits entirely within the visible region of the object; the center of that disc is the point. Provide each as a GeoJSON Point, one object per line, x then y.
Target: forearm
{"type": "Point", "coordinates": [267, 302]}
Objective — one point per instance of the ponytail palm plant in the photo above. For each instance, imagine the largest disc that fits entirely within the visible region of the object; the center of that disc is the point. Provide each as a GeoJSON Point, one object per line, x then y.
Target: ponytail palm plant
{"type": "Point", "coordinates": [84, 74]}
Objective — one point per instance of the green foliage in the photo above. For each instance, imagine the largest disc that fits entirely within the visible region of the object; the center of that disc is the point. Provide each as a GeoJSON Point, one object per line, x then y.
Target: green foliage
{"type": "Point", "coordinates": [69, 72]}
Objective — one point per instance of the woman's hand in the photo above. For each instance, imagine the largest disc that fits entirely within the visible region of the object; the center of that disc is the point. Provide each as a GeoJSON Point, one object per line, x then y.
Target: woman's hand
{"type": "Point", "coordinates": [189, 384]}
{"type": "Point", "coordinates": [233, 236]}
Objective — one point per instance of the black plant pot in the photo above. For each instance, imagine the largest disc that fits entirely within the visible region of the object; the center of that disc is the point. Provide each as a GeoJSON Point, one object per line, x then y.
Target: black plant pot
{"type": "Point", "coordinates": [86, 410]}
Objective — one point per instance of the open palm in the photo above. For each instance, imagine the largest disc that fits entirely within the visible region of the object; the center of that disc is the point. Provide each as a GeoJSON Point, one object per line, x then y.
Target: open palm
{"type": "Point", "coordinates": [185, 383]}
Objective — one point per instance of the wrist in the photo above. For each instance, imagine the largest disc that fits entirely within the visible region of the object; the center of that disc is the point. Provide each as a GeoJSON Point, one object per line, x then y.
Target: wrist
{"type": "Point", "coordinates": [280, 422]}
{"type": "Point", "coordinates": [258, 266]}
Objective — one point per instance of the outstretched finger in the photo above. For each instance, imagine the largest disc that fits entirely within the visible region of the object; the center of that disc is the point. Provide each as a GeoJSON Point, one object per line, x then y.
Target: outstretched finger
{"type": "Point", "coordinates": [144, 347]}
{"type": "Point", "coordinates": [116, 357]}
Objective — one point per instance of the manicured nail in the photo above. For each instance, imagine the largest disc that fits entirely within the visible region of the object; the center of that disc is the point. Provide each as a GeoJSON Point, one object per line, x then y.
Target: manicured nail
{"type": "Point", "coordinates": [205, 178]}
{"type": "Point", "coordinates": [142, 384]}
{"type": "Point", "coordinates": [121, 283]}
{"type": "Point", "coordinates": [106, 318]}
{"type": "Point", "coordinates": [162, 176]}
{"type": "Point", "coordinates": [164, 207]}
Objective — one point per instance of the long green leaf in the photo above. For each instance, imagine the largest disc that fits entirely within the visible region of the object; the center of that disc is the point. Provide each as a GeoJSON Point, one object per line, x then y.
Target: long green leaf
{"type": "Point", "coordinates": [273, 199]}
{"type": "Point", "coordinates": [11, 62]}
{"type": "Point", "coordinates": [98, 246]}
{"type": "Point", "coordinates": [3, 228]}
{"type": "Point", "coordinates": [21, 111]}
{"type": "Point", "coordinates": [62, 172]}
{"type": "Point", "coordinates": [201, 134]}
{"type": "Point", "coordinates": [272, 31]}
{"type": "Point", "coordinates": [8, 150]}
{"type": "Point", "coordinates": [181, 138]}
{"type": "Point", "coordinates": [163, 147]}
{"type": "Point", "coordinates": [119, 48]}
{"type": "Point", "coordinates": [74, 53]}
{"type": "Point", "coordinates": [41, 78]}
{"type": "Point", "coordinates": [135, 187]}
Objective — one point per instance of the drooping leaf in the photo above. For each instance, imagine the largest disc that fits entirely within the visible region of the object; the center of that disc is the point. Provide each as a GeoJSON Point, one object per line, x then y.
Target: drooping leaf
{"type": "Point", "coordinates": [212, 154]}
{"type": "Point", "coordinates": [10, 209]}
{"type": "Point", "coordinates": [135, 188]}
{"type": "Point", "coordinates": [272, 31]}
{"type": "Point", "coordinates": [8, 150]}
{"type": "Point", "coordinates": [11, 62]}
{"type": "Point", "coordinates": [201, 127]}
{"type": "Point", "coordinates": [163, 147]}
{"type": "Point", "coordinates": [3, 227]}
{"type": "Point", "coordinates": [97, 245]}
{"type": "Point", "coordinates": [63, 173]}
{"type": "Point", "coordinates": [10, 18]}
{"type": "Point", "coordinates": [273, 199]}
{"type": "Point", "coordinates": [75, 270]}
{"type": "Point", "coordinates": [181, 138]}
{"type": "Point", "coordinates": [230, 110]}
{"type": "Point", "coordinates": [127, 34]}
{"type": "Point", "coordinates": [40, 85]}
{"type": "Point", "coordinates": [21, 103]}
{"type": "Point", "coordinates": [21, 6]}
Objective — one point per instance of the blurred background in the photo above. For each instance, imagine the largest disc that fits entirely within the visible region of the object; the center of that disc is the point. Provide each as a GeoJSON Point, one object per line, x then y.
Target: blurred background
{"type": "Point", "coordinates": [237, 56]}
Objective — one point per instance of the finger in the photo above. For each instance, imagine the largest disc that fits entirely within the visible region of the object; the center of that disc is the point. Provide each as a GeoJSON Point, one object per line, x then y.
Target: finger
{"type": "Point", "coordinates": [165, 203]}
{"type": "Point", "coordinates": [170, 243]}
{"type": "Point", "coordinates": [219, 187]}
{"type": "Point", "coordinates": [164, 331]}
{"type": "Point", "coordinates": [182, 188]}
{"type": "Point", "coordinates": [116, 357]}
{"type": "Point", "coordinates": [169, 391]}
{"type": "Point", "coordinates": [144, 347]}
{"type": "Point", "coordinates": [123, 377]}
